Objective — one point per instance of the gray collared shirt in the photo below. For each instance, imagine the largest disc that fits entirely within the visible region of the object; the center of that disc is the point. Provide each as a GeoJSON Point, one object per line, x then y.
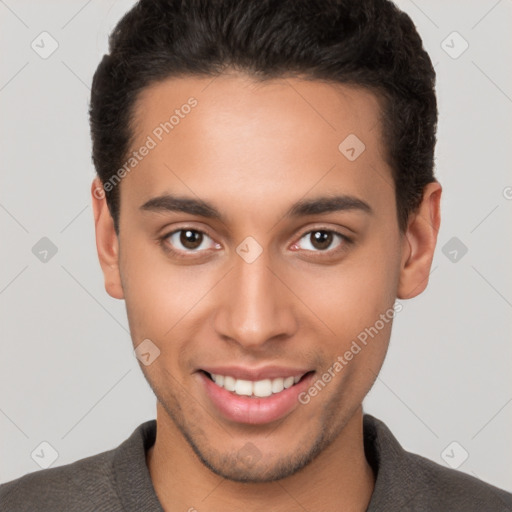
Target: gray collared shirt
{"type": "Point", "coordinates": [118, 480]}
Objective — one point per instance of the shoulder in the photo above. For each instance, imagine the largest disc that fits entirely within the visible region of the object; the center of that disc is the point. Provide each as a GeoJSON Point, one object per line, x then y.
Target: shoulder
{"type": "Point", "coordinates": [80, 485]}
{"type": "Point", "coordinates": [414, 483]}
{"type": "Point", "coordinates": [436, 485]}
{"type": "Point", "coordinates": [117, 479]}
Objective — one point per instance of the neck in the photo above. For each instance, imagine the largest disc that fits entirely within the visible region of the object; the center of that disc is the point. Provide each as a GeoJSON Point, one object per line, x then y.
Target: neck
{"type": "Point", "coordinates": [339, 478]}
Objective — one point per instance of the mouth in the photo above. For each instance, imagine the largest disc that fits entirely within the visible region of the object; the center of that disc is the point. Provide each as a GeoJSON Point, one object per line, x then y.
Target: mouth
{"type": "Point", "coordinates": [255, 388]}
{"type": "Point", "coordinates": [255, 398]}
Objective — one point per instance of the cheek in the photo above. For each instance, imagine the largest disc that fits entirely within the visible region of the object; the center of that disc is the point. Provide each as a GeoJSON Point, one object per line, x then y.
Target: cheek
{"type": "Point", "coordinates": [159, 294]}
{"type": "Point", "coordinates": [352, 297]}
{"type": "Point", "coordinates": [149, 290]}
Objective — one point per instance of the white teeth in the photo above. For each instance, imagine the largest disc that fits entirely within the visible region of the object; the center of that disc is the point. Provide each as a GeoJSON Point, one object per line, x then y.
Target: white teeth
{"type": "Point", "coordinates": [262, 388]}
{"type": "Point", "coordinates": [277, 385]}
{"type": "Point", "coordinates": [243, 387]}
{"type": "Point", "coordinates": [259, 388]}
{"type": "Point", "coordinates": [288, 382]}
{"type": "Point", "coordinates": [229, 383]}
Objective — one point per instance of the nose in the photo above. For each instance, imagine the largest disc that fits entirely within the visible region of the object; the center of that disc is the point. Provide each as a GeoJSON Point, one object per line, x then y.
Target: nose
{"type": "Point", "coordinates": [254, 304]}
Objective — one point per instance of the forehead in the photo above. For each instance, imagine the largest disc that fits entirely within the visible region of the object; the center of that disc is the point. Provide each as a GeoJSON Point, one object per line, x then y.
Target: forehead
{"type": "Point", "coordinates": [306, 106]}
{"type": "Point", "coordinates": [257, 142]}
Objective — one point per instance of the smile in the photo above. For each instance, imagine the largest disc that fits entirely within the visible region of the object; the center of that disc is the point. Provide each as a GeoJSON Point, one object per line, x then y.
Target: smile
{"type": "Point", "coordinates": [259, 388]}
{"type": "Point", "coordinates": [254, 396]}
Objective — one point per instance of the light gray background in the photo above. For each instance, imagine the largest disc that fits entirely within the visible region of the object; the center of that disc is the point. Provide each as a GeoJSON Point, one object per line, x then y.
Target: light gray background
{"type": "Point", "coordinates": [67, 371]}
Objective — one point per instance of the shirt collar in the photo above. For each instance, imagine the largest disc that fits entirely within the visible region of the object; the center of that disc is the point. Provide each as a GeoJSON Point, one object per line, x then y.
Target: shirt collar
{"type": "Point", "coordinates": [133, 482]}
{"type": "Point", "coordinates": [391, 466]}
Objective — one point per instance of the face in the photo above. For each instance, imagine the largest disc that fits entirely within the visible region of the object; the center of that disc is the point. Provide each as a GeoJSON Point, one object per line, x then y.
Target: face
{"type": "Point", "coordinates": [255, 251]}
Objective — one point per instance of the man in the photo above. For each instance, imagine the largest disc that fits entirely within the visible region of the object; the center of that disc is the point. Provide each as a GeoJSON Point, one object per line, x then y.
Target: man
{"type": "Point", "coordinates": [265, 193]}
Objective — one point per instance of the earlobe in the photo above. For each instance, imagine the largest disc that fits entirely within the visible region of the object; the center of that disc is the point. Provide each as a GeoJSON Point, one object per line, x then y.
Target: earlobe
{"type": "Point", "coordinates": [107, 243]}
{"type": "Point", "coordinates": [419, 243]}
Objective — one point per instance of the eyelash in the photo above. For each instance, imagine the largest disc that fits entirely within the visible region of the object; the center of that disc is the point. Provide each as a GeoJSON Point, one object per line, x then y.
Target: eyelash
{"type": "Point", "coordinates": [345, 241]}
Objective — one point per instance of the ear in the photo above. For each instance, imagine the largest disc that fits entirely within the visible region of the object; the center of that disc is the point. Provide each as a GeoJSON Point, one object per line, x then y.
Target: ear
{"type": "Point", "coordinates": [419, 243]}
{"type": "Point", "coordinates": [107, 243]}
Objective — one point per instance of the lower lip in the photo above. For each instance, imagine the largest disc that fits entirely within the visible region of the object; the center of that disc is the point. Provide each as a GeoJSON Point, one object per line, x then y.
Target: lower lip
{"type": "Point", "coordinates": [252, 410]}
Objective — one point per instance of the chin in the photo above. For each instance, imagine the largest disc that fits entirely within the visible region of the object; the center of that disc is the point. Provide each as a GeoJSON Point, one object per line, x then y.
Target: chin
{"type": "Point", "coordinates": [249, 465]}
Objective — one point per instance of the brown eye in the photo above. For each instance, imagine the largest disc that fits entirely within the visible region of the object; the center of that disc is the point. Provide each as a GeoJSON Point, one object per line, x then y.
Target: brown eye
{"type": "Point", "coordinates": [188, 241]}
{"type": "Point", "coordinates": [322, 240]}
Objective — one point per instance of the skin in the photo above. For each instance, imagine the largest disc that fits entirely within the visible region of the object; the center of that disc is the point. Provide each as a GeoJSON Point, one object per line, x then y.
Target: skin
{"type": "Point", "coordinates": [253, 149]}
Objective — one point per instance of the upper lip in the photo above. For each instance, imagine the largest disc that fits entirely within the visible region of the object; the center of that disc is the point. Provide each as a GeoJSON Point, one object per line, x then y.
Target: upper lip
{"type": "Point", "coordinates": [255, 374]}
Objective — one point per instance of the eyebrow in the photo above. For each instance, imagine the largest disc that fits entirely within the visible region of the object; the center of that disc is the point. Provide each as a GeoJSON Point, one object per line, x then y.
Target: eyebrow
{"type": "Point", "coordinates": [302, 208]}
